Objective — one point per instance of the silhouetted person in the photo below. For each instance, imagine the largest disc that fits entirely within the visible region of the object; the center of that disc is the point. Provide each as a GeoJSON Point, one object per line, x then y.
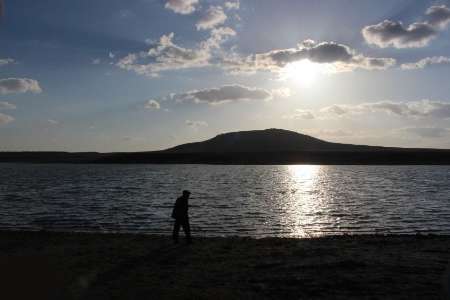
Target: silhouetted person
{"type": "Point", "coordinates": [180, 214]}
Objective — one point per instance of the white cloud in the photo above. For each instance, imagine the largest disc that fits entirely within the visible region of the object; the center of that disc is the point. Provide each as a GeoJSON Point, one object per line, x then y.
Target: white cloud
{"type": "Point", "coordinates": [152, 105]}
{"type": "Point", "coordinates": [336, 109]}
{"type": "Point", "coordinates": [53, 122]}
{"type": "Point", "coordinates": [419, 34]}
{"type": "Point", "coordinates": [283, 92]}
{"type": "Point", "coordinates": [340, 57]}
{"type": "Point", "coordinates": [6, 105]}
{"type": "Point", "coordinates": [213, 17]}
{"type": "Point", "coordinates": [223, 94]}
{"type": "Point", "coordinates": [4, 119]}
{"type": "Point", "coordinates": [304, 114]}
{"type": "Point", "coordinates": [165, 55]}
{"type": "Point", "coordinates": [428, 61]}
{"type": "Point", "coordinates": [96, 61]}
{"type": "Point", "coordinates": [196, 124]}
{"type": "Point", "coordinates": [6, 61]}
{"type": "Point", "coordinates": [19, 85]}
{"type": "Point", "coordinates": [217, 37]}
{"type": "Point", "coordinates": [183, 7]}
{"type": "Point", "coordinates": [232, 4]}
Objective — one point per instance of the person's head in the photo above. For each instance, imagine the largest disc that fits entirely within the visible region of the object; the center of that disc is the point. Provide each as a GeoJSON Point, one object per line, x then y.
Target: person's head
{"type": "Point", "coordinates": [186, 193]}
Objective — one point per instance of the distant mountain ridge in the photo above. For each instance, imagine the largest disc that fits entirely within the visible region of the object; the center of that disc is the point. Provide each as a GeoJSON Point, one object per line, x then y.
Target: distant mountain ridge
{"type": "Point", "coordinates": [267, 140]}
{"type": "Point", "coordinates": [269, 146]}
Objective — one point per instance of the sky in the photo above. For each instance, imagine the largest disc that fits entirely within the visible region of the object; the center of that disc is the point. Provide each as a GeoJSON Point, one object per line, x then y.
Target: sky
{"type": "Point", "coordinates": [140, 75]}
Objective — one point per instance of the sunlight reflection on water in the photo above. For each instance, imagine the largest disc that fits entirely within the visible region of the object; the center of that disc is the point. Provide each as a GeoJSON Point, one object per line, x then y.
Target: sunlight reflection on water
{"type": "Point", "coordinates": [303, 200]}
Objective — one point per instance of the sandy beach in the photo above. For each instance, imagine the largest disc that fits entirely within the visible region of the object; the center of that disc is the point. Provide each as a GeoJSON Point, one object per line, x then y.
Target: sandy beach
{"type": "Point", "coordinates": [43, 265]}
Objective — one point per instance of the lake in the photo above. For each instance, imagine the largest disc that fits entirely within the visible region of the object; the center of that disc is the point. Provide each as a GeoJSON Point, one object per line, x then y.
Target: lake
{"type": "Point", "coordinates": [227, 200]}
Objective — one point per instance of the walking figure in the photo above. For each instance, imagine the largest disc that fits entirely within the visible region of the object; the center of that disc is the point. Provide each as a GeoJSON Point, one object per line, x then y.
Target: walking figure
{"type": "Point", "coordinates": [180, 214]}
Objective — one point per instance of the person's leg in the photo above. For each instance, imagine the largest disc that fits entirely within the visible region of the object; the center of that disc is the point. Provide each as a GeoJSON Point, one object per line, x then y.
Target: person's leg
{"type": "Point", "coordinates": [176, 230]}
{"type": "Point", "coordinates": [187, 231]}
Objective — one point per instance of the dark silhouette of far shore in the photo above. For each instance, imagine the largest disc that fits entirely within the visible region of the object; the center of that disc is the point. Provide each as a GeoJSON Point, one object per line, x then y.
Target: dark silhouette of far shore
{"type": "Point", "coordinates": [270, 146]}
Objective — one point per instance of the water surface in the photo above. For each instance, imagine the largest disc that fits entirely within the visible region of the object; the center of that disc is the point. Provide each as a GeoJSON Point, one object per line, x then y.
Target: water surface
{"type": "Point", "coordinates": [303, 200]}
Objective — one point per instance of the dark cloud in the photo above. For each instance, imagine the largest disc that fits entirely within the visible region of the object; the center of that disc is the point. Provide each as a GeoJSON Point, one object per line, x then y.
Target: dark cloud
{"type": "Point", "coordinates": [341, 56]}
{"type": "Point", "coordinates": [439, 16]}
{"type": "Point", "coordinates": [394, 34]}
{"type": "Point", "coordinates": [223, 94]}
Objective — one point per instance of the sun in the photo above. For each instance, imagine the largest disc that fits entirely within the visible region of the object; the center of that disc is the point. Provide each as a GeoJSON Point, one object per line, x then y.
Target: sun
{"type": "Point", "coordinates": [303, 72]}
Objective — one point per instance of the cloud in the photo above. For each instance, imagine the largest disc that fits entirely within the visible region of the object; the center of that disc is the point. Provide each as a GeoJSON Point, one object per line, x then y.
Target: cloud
{"type": "Point", "coordinates": [217, 37]}
{"type": "Point", "coordinates": [152, 105]}
{"type": "Point", "coordinates": [232, 4]}
{"type": "Point", "coordinates": [6, 105]}
{"type": "Point", "coordinates": [304, 114]}
{"type": "Point", "coordinates": [336, 109]}
{"type": "Point", "coordinates": [283, 92]}
{"type": "Point", "coordinates": [223, 94]}
{"type": "Point", "coordinates": [394, 34]}
{"type": "Point", "coordinates": [428, 61]}
{"type": "Point", "coordinates": [183, 7]}
{"type": "Point", "coordinates": [424, 108]}
{"type": "Point", "coordinates": [6, 61]}
{"type": "Point", "coordinates": [96, 61]}
{"type": "Point", "coordinates": [53, 122]}
{"type": "Point", "coordinates": [165, 55]}
{"type": "Point", "coordinates": [418, 34]}
{"type": "Point", "coordinates": [340, 57]}
{"type": "Point", "coordinates": [19, 85]}
{"type": "Point", "coordinates": [439, 16]}
{"type": "Point", "coordinates": [196, 124]}
{"type": "Point", "coordinates": [5, 119]}
{"type": "Point", "coordinates": [427, 132]}
{"type": "Point", "coordinates": [214, 16]}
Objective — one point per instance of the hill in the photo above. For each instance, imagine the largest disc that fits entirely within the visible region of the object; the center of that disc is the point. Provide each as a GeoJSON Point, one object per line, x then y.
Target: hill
{"type": "Point", "coordinates": [268, 140]}
{"type": "Point", "coordinates": [270, 146]}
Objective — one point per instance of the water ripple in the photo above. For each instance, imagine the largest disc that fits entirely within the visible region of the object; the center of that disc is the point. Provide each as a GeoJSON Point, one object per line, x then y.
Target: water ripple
{"type": "Point", "coordinates": [227, 200]}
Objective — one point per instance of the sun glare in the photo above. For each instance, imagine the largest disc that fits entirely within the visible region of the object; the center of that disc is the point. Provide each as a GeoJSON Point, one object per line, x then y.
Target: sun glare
{"type": "Point", "coordinates": [303, 72]}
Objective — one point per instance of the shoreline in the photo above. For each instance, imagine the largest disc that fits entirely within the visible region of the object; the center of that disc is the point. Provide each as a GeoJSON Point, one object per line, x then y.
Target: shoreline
{"type": "Point", "coordinates": [74, 265]}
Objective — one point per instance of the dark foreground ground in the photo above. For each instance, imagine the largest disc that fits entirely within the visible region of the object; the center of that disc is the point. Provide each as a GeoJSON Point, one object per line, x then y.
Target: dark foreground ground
{"type": "Point", "coordinates": [39, 265]}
